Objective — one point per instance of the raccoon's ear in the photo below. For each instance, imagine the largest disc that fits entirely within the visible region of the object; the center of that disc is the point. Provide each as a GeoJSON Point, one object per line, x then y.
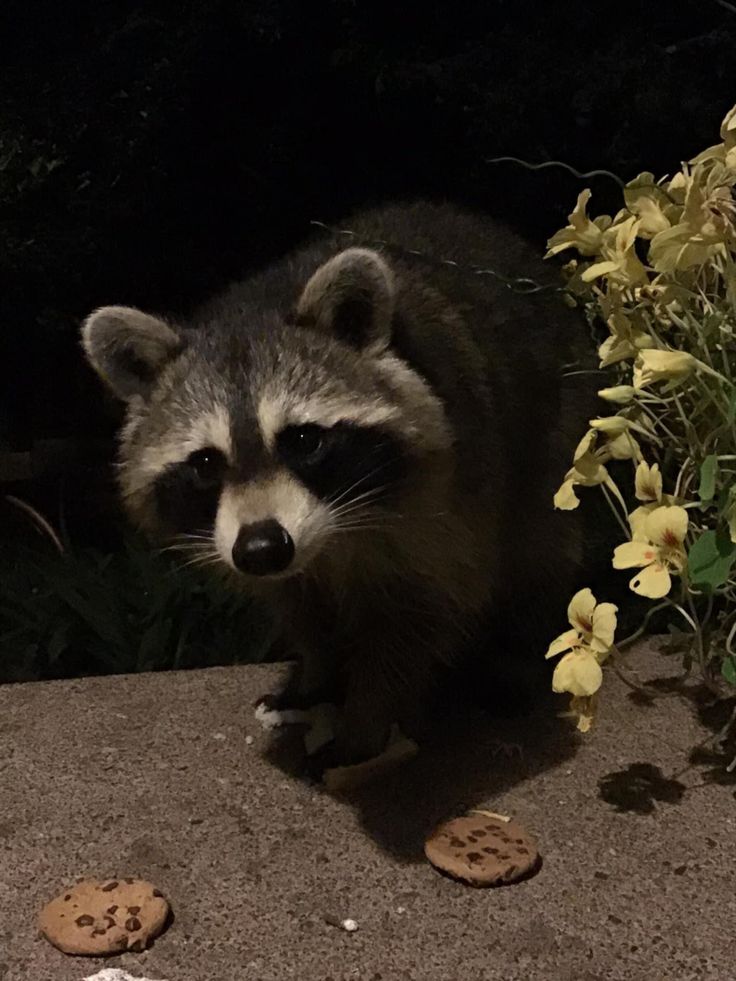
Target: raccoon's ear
{"type": "Point", "coordinates": [351, 296]}
{"type": "Point", "coordinates": [128, 348]}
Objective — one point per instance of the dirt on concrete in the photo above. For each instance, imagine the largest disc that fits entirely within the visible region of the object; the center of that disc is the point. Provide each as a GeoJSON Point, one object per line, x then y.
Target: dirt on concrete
{"type": "Point", "coordinates": [168, 777]}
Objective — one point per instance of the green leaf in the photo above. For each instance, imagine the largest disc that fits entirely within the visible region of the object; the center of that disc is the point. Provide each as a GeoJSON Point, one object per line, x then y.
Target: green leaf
{"type": "Point", "coordinates": [708, 478]}
{"type": "Point", "coordinates": [710, 560]}
{"type": "Point", "coordinates": [732, 407]}
{"type": "Point", "coordinates": [728, 670]}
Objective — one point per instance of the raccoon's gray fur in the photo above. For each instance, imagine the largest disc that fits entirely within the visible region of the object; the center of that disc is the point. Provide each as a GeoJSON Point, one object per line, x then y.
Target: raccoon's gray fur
{"type": "Point", "coordinates": [375, 437]}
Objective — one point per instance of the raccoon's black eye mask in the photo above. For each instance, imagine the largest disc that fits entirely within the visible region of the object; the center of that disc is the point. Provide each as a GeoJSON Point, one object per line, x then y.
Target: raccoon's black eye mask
{"type": "Point", "coordinates": [187, 493]}
{"type": "Point", "coordinates": [343, 461]}
{"type": "Point", "coordinates": [207, 468]}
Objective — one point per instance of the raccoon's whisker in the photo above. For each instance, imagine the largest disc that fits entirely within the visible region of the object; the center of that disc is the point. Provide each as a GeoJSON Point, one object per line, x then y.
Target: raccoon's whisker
{"type": "Point", "coordinates": [364, 507]}
{"type": "Point", "coordinates": [362, 500]}
{"type": "Point", "coordinates": [341, 529]}
{"type": "Point", "coordinates": [201, 561]}
{"type": "Point", "coordinates": [186, 547]}
{"type": "Point", "coordinates": [342, 494]}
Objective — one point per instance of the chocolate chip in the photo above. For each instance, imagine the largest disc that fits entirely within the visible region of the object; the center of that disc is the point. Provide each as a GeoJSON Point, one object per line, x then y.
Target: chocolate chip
{"type": "Point", "coordinates": [109, 886]}
{"type": "Point", "coordinates": [133, 924]}
{"type": "Point", "coordinates": [479, 832]}
{"type": "Point", "coordinates": [110, 921]}
{"type": "Point", "coordinates": [158, 894]}
{"type": "Point", "coordinates": [112, 910]}
{"type": "Point", "coordinates": [134, 910]}
{"type": "Point", "coordinates": [67, 897]}
{"type": "Point", "coordinates": [456, 842]}
{"type": "Point", "coordinates": [84, 920]}
{"type": "Point", "coordinates": [474, 857]}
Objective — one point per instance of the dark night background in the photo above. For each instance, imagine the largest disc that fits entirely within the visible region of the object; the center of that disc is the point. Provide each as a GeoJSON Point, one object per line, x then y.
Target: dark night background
{"type": "Point", "coordinates": [150, 152]}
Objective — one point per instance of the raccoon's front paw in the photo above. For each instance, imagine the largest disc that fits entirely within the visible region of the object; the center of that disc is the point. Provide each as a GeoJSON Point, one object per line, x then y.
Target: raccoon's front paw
{"type": "Point", "coordinates": [272, 713]}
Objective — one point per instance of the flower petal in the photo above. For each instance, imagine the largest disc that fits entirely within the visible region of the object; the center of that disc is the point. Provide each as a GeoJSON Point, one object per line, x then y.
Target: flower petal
{"type": "Point", "coordinates": [563, 643]}
{"type": "Point", "coordinates": [579, 673]}
{"type": "Point", "coordinates": [580, 610]}
{"type": "Point", "coordinates": [653, 582]}
{"type": "Point", "coordinates": [624, 447]}
{"type": "Point", "coordinates": [619, 393]}
{"type": "Point", "coordinates": [631, 554]}
{"type": "Point", "coordinates": [611, 425]}
{"type": "Point", "coordinates": [648, 482]}
{"type": "Point", "coordinates": [599, 269]}
{"type": "Point", "coordinates": [667, 526]}
{"type": "Point", "coordinates": [565, 499]}
{"type": "Point", "coordinates": [585, 444]}
{"type": "Point", "coordinates": [637, 520]}
{"type": "Point", "coordinates": [604, 627]}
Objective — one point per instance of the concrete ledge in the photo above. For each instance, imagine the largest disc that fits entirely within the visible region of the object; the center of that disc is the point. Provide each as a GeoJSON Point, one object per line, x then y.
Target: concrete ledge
{"type": "Point", "coordinates": [152, 776]}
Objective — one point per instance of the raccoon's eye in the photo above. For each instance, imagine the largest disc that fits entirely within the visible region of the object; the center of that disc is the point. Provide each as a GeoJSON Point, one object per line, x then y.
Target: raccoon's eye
{"type": "Point", "coordinates": [207, 467]}
{"type": "Point", "coordinates": [302, 444]}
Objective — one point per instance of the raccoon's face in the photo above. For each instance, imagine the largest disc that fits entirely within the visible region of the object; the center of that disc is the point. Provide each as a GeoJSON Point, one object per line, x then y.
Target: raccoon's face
{"type": "Point", "coordinates": [265, 444]}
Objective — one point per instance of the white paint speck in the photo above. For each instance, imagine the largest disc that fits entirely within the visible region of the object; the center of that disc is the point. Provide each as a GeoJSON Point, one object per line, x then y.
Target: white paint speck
{"type": "Point", "coordinates": [113, 974]}
{"type": "Point", "coordinates": [350, 925]}
{"type": "Point", "coordinates": [220, 736]}
{"type": "Point", "coordinates": [249, 740]}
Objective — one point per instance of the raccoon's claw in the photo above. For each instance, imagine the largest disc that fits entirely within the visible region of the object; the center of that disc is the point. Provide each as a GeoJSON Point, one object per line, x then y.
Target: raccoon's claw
{"type": "Point", "coordinates": [283, 701]}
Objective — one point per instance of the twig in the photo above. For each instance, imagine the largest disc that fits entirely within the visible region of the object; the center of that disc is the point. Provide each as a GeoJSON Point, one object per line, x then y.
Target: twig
{"type": "Point", "coordinates": [38, 519]}
{"type": "Point", "coordinates": [561, 165]}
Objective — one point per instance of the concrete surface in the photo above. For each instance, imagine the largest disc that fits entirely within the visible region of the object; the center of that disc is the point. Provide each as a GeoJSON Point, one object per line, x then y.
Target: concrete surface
{"type": "Point", "coordinates": [152, 776]}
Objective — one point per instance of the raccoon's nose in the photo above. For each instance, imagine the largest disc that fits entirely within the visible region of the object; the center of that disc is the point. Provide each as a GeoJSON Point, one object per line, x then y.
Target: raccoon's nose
{"type": "Point", "coordinates": [263, 548]}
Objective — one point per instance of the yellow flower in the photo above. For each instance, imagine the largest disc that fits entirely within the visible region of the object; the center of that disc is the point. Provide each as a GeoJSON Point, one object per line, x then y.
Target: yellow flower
{"type": "Point", "coordinates": [619, 261]}
{"type": "Point", "coordinates": [654, 365]}
{"type": "Point", "coordinates": [582, 234]}
{"type": "Point", "coordinates": [648, 482]}
{"type": "Point", "coordinates": [657, 548]}
{"type": "Point", "coordinates": [593, 623]}
{"type": "Point", "coordinates": [646, 200]}
{"type": "Point", "coordinates": [585, 646]}
{"type": "Point", "coordinates": [706, 222]}
{"type": "Point", "coordinates": [587, 471]}
{"type": "Point", "coordinates": [726, 151]}
{"type": "Point", "coordinates": [620, 394]}
{"type": "Point", "coordinates": [583, 709]}
{"type": "Point", "coordinates": [620, 444]}
{"type": "Point", "coordinates": [626, 337]}
{"type": "Point", "coordinates": [578, 672]}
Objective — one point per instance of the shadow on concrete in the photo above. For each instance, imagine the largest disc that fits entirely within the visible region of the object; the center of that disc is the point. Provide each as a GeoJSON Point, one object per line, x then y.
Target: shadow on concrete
{"type": "Point", "coordinates": [468, 760]}
{"type": "Point", "coordinates": [638, 788]}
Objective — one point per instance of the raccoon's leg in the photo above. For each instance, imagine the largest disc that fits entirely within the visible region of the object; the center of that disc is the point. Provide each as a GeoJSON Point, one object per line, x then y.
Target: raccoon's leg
{"type": "Point", "coordinates": [390, 680]}
{"type": "Point", "coordinates": [306, 640]}
{"type": "Point", "coordinates": [313, 680]}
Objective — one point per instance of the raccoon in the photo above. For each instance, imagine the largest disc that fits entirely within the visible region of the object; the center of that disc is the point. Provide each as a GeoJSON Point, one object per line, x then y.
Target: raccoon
{"type": "Point", "coordinates": [368, 435]}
